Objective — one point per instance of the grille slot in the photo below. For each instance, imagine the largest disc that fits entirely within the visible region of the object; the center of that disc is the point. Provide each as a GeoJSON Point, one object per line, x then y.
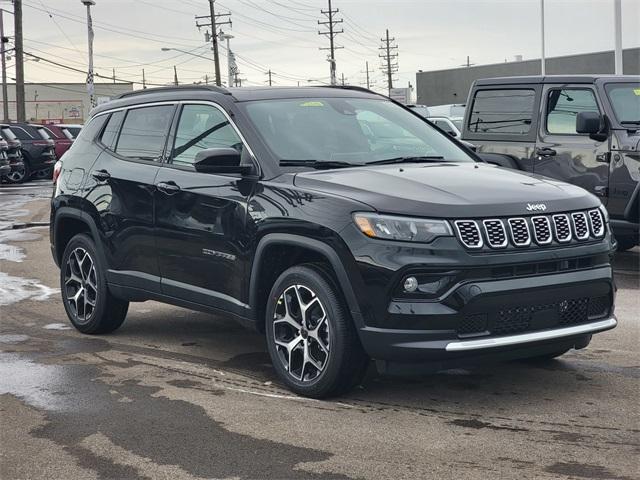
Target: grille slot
{"type": "Point", "coordinates": [597, 224]}
{"type": "Point", "coordinates": [473, 325]}
{"type": "Point", "coordinates": [496, 234]}
{"type": "Point", "coordinates": [599, 307]}
{"type": "Point", "coordinates": [580, 226]}
{"type": "Point", "coordinates": [541, 230]}
{"type": "Point", "coordinates": [562, 228]}
{"type": "Point", "coordinates": [520, 235]}
{"type": "Point", "coordinates": [469, 233]}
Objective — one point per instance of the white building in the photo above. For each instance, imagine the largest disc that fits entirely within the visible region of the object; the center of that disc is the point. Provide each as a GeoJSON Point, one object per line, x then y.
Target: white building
{"type": "Point", "coordinates": [61, 102]}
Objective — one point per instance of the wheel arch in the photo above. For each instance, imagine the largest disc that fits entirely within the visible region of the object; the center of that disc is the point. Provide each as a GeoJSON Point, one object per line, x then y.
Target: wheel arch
{"type": "Point", "coordinates": [69, 222]}
{"type": "Point", "coordinates": [260, 284]}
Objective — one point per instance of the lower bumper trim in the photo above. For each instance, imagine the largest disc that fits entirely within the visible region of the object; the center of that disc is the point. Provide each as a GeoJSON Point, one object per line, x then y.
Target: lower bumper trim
{"type": "Point", "coordinates": [592, 327]}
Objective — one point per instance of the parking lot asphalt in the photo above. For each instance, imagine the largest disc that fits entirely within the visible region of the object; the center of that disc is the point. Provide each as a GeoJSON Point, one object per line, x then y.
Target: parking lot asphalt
{"type": "Point", "coordinates": [177, 394]}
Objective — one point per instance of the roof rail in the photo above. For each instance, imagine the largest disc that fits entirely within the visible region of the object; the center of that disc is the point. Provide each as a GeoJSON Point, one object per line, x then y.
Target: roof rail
{"type": "Point", "coordinates": [349, 87]}
{"type": "Point", "coordinates": [175, 88]}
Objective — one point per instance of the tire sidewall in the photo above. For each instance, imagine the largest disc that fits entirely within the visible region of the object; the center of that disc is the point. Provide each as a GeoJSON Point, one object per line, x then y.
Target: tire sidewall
{"type": "Point", "coordinates": [93, 325]}
{"type": "Point", "coordinates": [327, 294]}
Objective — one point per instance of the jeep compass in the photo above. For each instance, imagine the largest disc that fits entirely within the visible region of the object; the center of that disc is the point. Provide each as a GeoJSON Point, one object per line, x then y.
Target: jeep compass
{"type": "Point", "coordinates": [342, 225]}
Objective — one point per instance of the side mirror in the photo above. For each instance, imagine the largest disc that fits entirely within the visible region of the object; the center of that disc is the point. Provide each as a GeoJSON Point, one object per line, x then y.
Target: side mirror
{"type": "Point", "coordinates": [589, 122]}
{"type": "Point", "coordinates": [451, 132]}
{"type": "Point", "coordinates": [221, 160]}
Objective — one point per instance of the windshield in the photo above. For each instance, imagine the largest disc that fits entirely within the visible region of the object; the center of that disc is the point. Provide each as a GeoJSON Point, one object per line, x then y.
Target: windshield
{"type": "Point", "coordinates": [8, 134]}
{"type": "Point", "coordinates": [350, 130]}
{"type": "Point", "coordinates": [625, 100]}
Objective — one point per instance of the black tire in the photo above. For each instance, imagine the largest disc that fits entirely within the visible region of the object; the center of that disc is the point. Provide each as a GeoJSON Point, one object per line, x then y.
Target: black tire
{"type": "Point", "coordinates": [20, 176]}
{"type": "Point", "coordinates": [81, 269]}
{"type": "Point", "coordinates": [345, 361]}
{"type": "Point", "coordinates": [626, 243]}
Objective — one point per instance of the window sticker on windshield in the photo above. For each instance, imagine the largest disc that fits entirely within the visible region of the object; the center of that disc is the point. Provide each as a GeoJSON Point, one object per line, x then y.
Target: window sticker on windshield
{"type": "Point", "coordinates": [636, 91]}
{"type": "Point", "coordinates": [312, 104]}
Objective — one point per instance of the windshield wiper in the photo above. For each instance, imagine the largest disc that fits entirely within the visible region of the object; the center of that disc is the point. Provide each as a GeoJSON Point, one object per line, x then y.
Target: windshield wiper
{"type": "Point", "coordinates": [630, 122]}
{"type": "Point", "coordinates": [318, 164]}
{"type": "Point", "coordinates": [413, 159]}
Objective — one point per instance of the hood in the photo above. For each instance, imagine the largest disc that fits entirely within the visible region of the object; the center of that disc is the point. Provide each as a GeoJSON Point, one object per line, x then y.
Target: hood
{"type": "Point", "coordinates": [449, 190]}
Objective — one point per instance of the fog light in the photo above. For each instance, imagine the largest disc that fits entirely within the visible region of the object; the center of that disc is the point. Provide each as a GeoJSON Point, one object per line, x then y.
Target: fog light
{"type": "Point", "coordinates": [410, 284]}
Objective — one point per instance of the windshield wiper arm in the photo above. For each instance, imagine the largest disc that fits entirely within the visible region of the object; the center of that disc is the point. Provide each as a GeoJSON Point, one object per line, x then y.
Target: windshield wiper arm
{"type": "Point", "coordinates": [318, 164]}
{"type": "Point", "coordinates": [631, 122]}
{"type": "Point", "coordinates": [413, 159]}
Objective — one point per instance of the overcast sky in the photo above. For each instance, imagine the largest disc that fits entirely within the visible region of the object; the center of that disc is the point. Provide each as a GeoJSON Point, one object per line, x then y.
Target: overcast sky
{"type": "Point", "coordinates": [282, 35]}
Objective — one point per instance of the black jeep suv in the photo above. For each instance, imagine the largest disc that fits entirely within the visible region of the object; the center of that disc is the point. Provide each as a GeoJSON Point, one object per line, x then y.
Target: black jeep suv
{"type": "Point", "coordinates": [339, 223]}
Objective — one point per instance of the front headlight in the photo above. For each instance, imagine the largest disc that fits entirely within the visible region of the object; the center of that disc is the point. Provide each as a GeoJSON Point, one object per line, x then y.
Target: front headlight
{"type": "Point", "coordinates": [405, 229]}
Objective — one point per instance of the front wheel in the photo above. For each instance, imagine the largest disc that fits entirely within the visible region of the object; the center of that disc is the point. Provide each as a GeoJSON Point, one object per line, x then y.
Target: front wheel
{"type": "Point", "coordinates": [311, 339]}
{"type": "Point", "coordinates": [89, 305]}
{"type": "Point", "coordinates": [19, 175]}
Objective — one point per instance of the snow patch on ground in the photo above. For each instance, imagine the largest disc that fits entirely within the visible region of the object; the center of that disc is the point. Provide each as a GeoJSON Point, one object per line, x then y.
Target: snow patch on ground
{"type": "Point", "coordinates": [57, 326]}
{"type": "Point", "coordinates": [16, 289]}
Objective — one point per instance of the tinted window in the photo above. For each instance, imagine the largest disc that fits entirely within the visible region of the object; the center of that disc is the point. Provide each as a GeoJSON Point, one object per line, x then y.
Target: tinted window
{"type": "Point", "coordinates": [201, 127]}
{"type": "Point", "coordinates": [502, 111]}
{"type": "Point", "coordinates": [563, 107]}
{"type": "Point", "coordinates": [67, 134]}
{"type": "Point", "coordinates": [21, 133]}
{"type": "Point", "coordinates": [8, 134]}
{"type": "Point", "coordinates": [50, 133]}
{"type": "Point", "coordinates": [75, 131]}
{"type": "Point", "coordinates": [44, 134]}
{"type": "Point", "coordinates": [111, 130]}
{"type": "Point", "coordinates": [144, 132]}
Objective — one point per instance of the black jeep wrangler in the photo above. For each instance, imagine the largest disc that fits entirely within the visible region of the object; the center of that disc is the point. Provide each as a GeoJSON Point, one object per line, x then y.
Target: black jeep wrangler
{"type": "Point", "coordinates": [582, 129]}
{"type": "Point", "coordinates": [342, 225]}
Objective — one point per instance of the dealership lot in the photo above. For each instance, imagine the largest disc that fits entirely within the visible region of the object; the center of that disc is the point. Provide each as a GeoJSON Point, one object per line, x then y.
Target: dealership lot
{"type": "Point", "coordinates": [178, 394]}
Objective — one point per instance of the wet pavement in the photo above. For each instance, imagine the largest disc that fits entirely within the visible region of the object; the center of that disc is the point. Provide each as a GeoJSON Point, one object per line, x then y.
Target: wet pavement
{"type": "Point", "coordinates": [177, 394]}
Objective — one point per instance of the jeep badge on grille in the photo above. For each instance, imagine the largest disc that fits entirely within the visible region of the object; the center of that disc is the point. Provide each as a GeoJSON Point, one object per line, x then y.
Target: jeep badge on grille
{"type": "Point", "coordinates": [536, 207]}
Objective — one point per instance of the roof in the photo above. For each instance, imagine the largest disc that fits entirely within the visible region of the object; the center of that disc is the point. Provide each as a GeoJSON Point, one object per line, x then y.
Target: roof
{"type": "Point", "coordinates": [204, 92]}
{"type": "Point", "coordinates": [588, 79]}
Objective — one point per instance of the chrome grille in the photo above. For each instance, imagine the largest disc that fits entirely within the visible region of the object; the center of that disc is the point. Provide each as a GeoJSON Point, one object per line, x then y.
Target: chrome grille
{"type": "Point", "coordinates": [562, 228]}
{"type": "Point", "coordinates": [597, 224]}
{"type": "Point", "coordinates": [552, 229]}
{"type": "Point", "coordinates": [469, 233]}
{"type": "Point", "coordinates": [496, 234]}
{"type": "Point", "coordinates": [580, 227]}
{"type": "Point", "coordinates": [541, 230]}
{"type": "Point", "coordinates": [520, 235]}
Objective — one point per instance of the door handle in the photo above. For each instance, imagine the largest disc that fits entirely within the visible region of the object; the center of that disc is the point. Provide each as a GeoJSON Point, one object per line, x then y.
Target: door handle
{"type": "Point", "coordinates": [546, 152]}
{"type": "Point", "coordinates": [168, 188]}
{"type": "Point", "coordinates": [101, 175]}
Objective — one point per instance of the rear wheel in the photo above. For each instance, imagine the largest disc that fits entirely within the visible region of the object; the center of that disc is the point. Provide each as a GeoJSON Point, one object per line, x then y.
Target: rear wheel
{"type": "Point", "coordinates": [311, 339]}
{"type": "Point", "coordinates": [89, 305]}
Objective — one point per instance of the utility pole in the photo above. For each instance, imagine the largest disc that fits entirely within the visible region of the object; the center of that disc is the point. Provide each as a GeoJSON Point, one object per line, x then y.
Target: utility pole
{"type": "Point", "coordinates": [389, 62]}
{"type": "Point", "coordinates": [5, 93]}
{"type": "Point", "coordinates": [17, 19]}
{"type": "Point", "coordinates": [331, 23]}
{"type": "Point", "coordinates": [114, 75]}
{"type": "Point", "coordinates": [206, 79]}
{"type": "Point", "coordinates": [343, 79]}
{"type": "Point", "coordinates": [542, 59]}
{"type": "Point", "coordinates": [617, 28]}
{"type": "Point", "coordinates": [214, 24]}
{"type": "Point", "coordinates": [175, 76]}
{"type": "Point", "coordinates": [468, 64]}
{"type": "Point", "coordinates": [269, 81]}
{"type": "Point", "coordinates": [144, 81]}
{"type": "Point", "coordinates": [90, 88]}
{"type": "Point", "coordinates": [367, 72]}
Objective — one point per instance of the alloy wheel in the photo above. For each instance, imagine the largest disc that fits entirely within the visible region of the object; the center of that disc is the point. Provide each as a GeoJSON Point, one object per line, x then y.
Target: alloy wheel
{"type": "Point", "coordinates": [16, 176]}
{"type": "Point", "coordinates": [301, 333]}
{"type": "Point", "coordinates": [81, 285]}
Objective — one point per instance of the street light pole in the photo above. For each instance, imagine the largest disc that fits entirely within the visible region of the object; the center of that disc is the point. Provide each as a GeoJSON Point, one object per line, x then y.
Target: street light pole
{"type": "Point", "coordinates": [90, 87]}
{"type": "Point", "coordinates": [5, 93]}
{"type": "Point", "coordinates": [617, 24]}
{"type": "Point", "coordinates": [542, 59]}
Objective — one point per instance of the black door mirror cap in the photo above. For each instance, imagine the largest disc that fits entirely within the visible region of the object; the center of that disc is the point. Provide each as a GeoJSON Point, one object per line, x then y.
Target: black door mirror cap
{"type": "Point", "coordinates": [589, 122]}
{"type": "Point", "coordinates": [222, 161]}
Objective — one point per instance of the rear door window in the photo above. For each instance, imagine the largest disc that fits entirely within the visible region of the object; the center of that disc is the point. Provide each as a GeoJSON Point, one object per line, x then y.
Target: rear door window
{"type": "Point", "coordinates": [43, 133]}
{"type": "Point", "coordinates": [144, 132]}
{"type": "Point", "coordinates": [563, 106]}
{"type": "Point", "coordinates": [21, 133]}
{"type": "Point", "coordinates": [503, 112]}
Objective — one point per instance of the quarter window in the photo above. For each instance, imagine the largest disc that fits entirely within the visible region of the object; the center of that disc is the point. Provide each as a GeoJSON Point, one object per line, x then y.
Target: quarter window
{"type": "Point", "coordinates": [110, 132]}
{"type": "Point", "coordinates": [202, 127]}
{"type": "Point", "coordinates": [144, 132]}
{"type": "Point", "coordinates": [502, 111]}
{"type": "Point", "coordinates": [563, 107]}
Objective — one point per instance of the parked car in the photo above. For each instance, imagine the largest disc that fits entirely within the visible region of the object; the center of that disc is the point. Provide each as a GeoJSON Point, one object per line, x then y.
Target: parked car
{"type": "Point", "coordinates": [281, 207]}
{"type": "Point", "coordinates": [583, 129]}
{"type": "Point", "coordinates": [73, 128]}
{"type": "Point", "coordinates": [421, 110]}
{"type": "Point", "coordinates": [450, 125]}
{"type": "Point", "coordinates": [14, 154]}
{"type": "Point", "coordinates": [37, 150]}
{"type": "Point", "coordinates": [5, 167]}
{"type": "Point", "coordinates": [61, 136]}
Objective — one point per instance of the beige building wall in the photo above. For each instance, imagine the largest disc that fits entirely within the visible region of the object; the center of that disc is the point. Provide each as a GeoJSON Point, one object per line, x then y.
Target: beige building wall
{"type": "Point", "coordinates": [61, 102]}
